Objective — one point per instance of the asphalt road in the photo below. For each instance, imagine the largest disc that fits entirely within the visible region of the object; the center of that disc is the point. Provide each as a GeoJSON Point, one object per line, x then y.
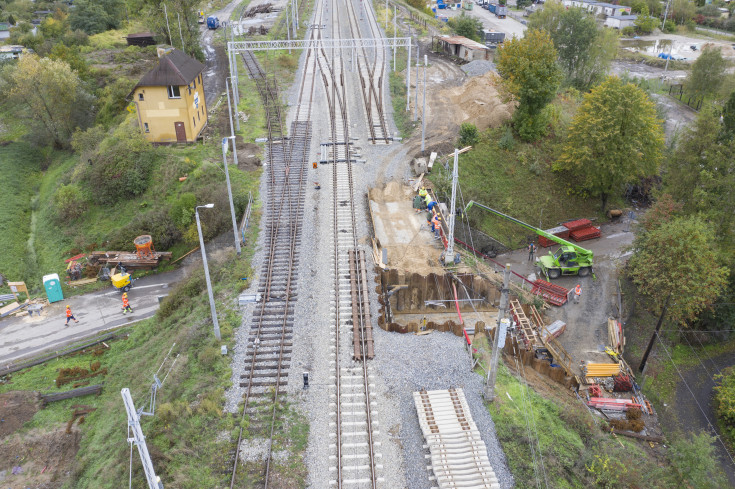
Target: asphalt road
{"type": "Point", "coordinates": [26, 336]}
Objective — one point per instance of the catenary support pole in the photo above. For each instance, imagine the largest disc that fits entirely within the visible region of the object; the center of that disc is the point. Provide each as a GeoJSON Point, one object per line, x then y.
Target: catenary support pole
{"type": "Point", "coordinates": [395, 34]}
{"type": "Point", "coordinates": [416, 102]}
{"type": "Point", "coordinates": [492, 374]}
{"type": "Point", "coordinates": [423, 113]}
{"type": "Point", "coordinates": [449, 254]}
{"type": "Point", "coordinates": [206, 273]}
{"type": "Point", "coordinates": [408, 81]}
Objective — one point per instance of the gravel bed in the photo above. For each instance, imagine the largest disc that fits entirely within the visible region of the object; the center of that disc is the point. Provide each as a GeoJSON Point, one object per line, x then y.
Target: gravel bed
{"type": "Point", "coordinates": [408, 363]}
{"type": "Point", "coordinates": [478, 67]}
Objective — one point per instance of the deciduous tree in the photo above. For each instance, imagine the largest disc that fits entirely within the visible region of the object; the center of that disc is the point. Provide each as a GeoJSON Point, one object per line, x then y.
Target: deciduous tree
{"type": "Point", "coordinates": [708, 72]}
{"type": "Point", "coordinates": [584, 49]}
{"type": "Point", "coordinates": [701, 175]}
{"type": "Point", "coordinates": [615, 138]}
{"type": "Point", "coordinates": [676, 263]}
{"type": "Point", "coordinates": [696, 462]}
{"type": "Point", "coordinates": [49, 95]}
{"type": "Point", "coordinates": [466, 26]}
{"type": "Point", "coordinates": [530, 72]}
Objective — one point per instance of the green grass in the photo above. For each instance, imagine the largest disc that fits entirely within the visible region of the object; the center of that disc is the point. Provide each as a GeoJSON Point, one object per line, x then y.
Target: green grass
{"type": "Point", "coordinates": [576, 453]}
{"type": "Point", "coordinates": [402, 118]}
{"type": "Point", "coordinates": [112, 39]}
{"type": "Point", "coordinates": [519, 181]}
{"type": "Point", "coordinates": [652, 60]}
{"type": "Point", "coordinates": [21, 175]}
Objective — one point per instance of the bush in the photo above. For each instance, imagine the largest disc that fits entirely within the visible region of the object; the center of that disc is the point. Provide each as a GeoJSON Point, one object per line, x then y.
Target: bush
{"type": "Point", "coordinates": [725, 402]}
{"type": "Point", "coordinates": [628, 31]}
{"type": "Point", "coordinates": [182, 211]}
{"type": "Point", "coordinates": [112, 101]}
{"type": "Point", "coordinates": [468, 134]}
{"type": "Point", "coordinates": [69, 202]}
{"type": "Point", "coordinates": [156, 222]}
{"type": "Point", "coordinates": [507, 141]}
{"type": "Point", "coordinates": [122, 166]}
{"type": "Point", "coordinates": [669, 26]}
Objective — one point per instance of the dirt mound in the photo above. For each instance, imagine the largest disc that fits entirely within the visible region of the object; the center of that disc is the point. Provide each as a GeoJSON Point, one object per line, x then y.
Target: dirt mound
{"type": "Point", "coordinates": [38, 459]}
{"type": "Point", "coordinates": [393, 192]}
{"type": "Point", "coordinates": [17, 408]}
{"type": "Point", "coordinates": [478, 102]}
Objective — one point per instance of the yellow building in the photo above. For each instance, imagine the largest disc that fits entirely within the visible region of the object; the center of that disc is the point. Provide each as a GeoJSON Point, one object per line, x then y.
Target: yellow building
{"type": "Point", "coordinates": [170, 100]}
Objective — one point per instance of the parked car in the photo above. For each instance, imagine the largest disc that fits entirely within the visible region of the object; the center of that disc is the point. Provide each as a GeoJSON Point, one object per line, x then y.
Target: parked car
{"type": "Point", "coordinates": [212, 22]}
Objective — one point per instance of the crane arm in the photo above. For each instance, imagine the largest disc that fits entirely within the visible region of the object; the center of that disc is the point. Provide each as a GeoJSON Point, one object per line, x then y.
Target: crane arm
{"type": "Point", "coordinates": [540, 232]}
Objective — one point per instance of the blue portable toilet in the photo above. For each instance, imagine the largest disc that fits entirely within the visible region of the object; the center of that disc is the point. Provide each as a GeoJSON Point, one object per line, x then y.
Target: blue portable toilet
{"type": "Point", "coordinates": [52, 284]}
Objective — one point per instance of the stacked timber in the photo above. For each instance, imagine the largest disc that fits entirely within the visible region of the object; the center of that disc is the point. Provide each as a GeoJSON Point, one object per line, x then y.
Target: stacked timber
{"type": "Point", "coordinates": [615, 335]}
{"type": "Point", "coordinates": [130, 260]}
{"type": "Point", "coordinates": [602, 369]}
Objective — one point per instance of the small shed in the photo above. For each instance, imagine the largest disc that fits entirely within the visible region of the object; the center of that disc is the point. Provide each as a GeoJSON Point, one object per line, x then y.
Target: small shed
{"type": "Point", "coordinates": [141, 39]}
{"type": "Point", "coordinates": [4, 30]}
{"type": "Point", "coordinates": [11, 52]}
{"type": "Point", "coordinates": [620, 21]}
{"type": "Point", "coordinates": [463, 48]}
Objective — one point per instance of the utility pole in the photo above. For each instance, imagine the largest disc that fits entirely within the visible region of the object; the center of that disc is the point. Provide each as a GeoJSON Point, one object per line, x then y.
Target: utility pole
{"type": "Point", "coordinates": [138, 439]}
{"type": "Point", "coordinates": [206, 272]}
{"type": "Point", "coordinates": [449, 254]}
{"type": "Point", "coordinates": [416, 102]}
{"type": "Point", "coordinates": [500, 330]}
{"type": "Point", "coordinates": [653, 337]}
{"type": "Point", "coordinates": [423, 114]}
{"type": "Point", "coordinates": [168, 27]}
{"type": "Point", "coordinates": [408, 80]}
{"type": "Point", "coordinates": [183, 47]}
{"type": "Point", "coordinates": [229, 189]}
{"type": "Point", "coordinates": [395, 34]}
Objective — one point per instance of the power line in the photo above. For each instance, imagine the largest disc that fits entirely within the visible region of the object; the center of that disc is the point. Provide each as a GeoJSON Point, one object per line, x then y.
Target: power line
{"type": "Point", "coordinates": [724, 447]}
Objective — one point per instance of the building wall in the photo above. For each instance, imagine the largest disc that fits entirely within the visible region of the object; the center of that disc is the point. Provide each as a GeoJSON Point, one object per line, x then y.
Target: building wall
{"type": "Point", "coordinates": [161, 112]}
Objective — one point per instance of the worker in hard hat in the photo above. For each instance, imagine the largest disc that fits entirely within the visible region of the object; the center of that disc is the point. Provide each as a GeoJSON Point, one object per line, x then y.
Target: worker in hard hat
{"type": "Point", "coordinates": [126, 305]}
{"type": "Point", "coordinates": [577, 293]}
{"type": "Point", "coordinates": [69, 316]}
{"type": "Point", "coordinates": [435, 226]}
{"type": "Point", "coordinates": [423, 192]}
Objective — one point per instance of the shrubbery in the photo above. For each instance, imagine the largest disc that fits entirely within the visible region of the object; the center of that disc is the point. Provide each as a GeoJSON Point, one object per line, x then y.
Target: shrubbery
{"type": "Point", "coordinates": [69, 202]}
{"type": "Point", "coordinates": [121, 167]}
{"type": "Point", "coordinates": [725, 402]}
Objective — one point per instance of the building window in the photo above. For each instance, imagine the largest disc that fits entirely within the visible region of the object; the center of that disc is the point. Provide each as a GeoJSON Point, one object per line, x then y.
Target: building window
{"type": "Point", "coordinates": [189, 90]}
{"type": "Point", "coordinates": [140, 97]}
{"type": "Point", "coordinates": [195, 82]}
{"type": "Point", "coordinates": [145, 125]}
{"type": "Point", "coordinates": [173, 91]}
{"type": "Point", "coordinates": [199, 117]}
{"type": "Point", "coordinates": [194, 121]}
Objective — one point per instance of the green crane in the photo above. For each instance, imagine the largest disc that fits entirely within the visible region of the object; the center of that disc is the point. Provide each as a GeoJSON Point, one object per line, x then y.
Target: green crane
{"type": "Point", "coordinates": [569, 259]}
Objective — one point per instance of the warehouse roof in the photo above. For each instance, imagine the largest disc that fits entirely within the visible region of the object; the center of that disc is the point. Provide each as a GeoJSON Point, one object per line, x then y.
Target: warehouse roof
{"type": "Point", "coordinates": [468, 43]}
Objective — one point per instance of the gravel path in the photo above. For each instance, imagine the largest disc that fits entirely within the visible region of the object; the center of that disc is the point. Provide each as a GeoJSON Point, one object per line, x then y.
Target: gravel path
{"type": "Point", "coordinates": [478, 67]}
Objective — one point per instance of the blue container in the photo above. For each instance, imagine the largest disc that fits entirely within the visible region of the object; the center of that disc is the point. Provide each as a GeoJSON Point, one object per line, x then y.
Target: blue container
{"type": "Point", "coordinates": [52, 284]}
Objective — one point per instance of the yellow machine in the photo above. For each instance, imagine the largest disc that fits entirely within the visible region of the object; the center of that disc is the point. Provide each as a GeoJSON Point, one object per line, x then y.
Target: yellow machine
{"type": "Point", "coordinates": [121, 280]}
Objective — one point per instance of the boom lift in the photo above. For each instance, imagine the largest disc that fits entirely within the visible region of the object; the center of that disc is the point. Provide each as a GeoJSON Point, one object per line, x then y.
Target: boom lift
{"type": "Point", "coordinates": [569, 259]}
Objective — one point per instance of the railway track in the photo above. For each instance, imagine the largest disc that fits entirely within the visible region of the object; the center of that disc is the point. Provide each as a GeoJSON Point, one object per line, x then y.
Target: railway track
{"type": "Point", "coordinates": [371, 70]}
{"type": "Point", "coordinates": [271, 327]}
{"type": "Point", "coordinates": [355, 459]}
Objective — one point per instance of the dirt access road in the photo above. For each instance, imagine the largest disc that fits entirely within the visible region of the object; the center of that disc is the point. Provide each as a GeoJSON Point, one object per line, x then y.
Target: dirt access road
{"type": "Point", "coordinates": [587, 321]}
{"type": "Point", "coordinates": [688, 409]}
{"type": "Point", "coordinates": [217, 66]}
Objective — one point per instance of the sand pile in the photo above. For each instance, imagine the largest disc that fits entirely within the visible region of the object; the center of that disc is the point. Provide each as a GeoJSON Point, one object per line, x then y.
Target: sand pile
{"type": "Point", "coordinates": [478, 102]}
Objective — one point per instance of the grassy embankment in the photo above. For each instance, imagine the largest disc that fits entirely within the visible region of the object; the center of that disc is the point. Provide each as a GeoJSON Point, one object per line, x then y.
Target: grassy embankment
{"type": "Point", "coordinates": [548, 435]}
{"type": "Point", "coordinates": [516, 178]}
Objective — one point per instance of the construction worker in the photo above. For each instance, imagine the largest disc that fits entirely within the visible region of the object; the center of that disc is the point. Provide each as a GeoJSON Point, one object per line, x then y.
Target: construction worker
{"type": "Point", "coordinates": [418, 203]}
{"type": "Point", "coordinates": [126, 305]}
{"type": "Point", "coordinates": [577, 293]}
{"type": "Point", "coordinates": [428, 200]}
{"type": "Point", "coordinates": [423, 192]}
{"type": "Point", "coordinates": [69, 316]}
{"type": "Point", "coordinates": [531, 251]}
{"type": "Point", "coordinates": [435, 226]}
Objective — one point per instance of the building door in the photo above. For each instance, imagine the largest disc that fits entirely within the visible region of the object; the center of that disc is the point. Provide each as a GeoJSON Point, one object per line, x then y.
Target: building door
{"type": "Point", "coordinates": [180, 132]}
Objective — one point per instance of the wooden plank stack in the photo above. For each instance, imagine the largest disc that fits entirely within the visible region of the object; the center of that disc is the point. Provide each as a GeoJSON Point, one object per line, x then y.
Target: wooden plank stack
{"type": "Point", "coordinates": [616, 339]}
{"type": "Point", "coordinates": [602, 369]}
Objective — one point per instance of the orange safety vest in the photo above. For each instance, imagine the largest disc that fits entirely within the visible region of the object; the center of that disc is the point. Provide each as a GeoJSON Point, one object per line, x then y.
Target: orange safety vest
{"type": "Point", "coordinates": [68, 313]}
{"type": "Point", "coordinates": [125, 302]}
{"type": "Point", "coordinates": [578, 290]}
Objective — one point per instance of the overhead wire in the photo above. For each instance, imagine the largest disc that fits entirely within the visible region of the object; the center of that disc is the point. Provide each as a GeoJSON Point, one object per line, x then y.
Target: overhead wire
{"type": "Point", "coordinates": [711, 426]}
{"type": "Point", "coordinates": [528, 426]}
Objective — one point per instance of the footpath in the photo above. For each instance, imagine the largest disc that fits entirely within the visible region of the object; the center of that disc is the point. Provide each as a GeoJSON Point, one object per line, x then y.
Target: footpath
{"type": "Point", "coordinates": [25, 336]}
